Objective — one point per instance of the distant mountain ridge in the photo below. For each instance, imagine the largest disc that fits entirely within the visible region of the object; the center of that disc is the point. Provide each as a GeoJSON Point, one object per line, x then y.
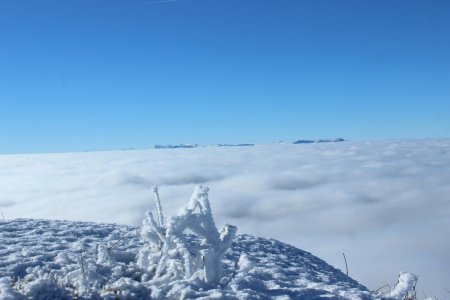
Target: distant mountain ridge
{"type": "Point", "coordinates": [336, 140]}
{"type": "Point", "coordinates": [176, 146]}
{"type": "Point", "coordinates": [189, 146]}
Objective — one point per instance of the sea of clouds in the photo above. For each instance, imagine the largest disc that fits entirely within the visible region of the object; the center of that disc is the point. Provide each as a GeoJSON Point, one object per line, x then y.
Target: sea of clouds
{"type": "Point", "coordinates": [385, 204]}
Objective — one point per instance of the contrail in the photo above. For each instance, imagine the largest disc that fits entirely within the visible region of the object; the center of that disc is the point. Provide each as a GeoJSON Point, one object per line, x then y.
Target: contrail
{"type": "Point", "coordinates": [160, 1]}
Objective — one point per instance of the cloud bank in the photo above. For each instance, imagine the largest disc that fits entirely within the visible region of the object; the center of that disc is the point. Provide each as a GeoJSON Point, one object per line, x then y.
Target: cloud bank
{"type": "Point", "coordinates": [386, 204]}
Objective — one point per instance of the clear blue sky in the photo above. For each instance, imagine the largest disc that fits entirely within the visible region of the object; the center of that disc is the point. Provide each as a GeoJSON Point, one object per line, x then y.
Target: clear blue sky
{"type": "Point", "coordinates": [108, 74]}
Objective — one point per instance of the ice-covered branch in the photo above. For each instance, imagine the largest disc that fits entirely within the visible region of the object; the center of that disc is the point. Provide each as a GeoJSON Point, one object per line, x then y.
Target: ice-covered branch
{"type": "Point", "coordinates": [158, 206]}
{"type": "Point", "coordinates": [405, 287]}
{"type": "Point", "coordinates": [176, 257]}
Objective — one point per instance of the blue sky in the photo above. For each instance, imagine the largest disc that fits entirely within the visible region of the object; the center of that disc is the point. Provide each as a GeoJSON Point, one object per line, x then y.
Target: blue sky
{"type": "Point", "coordinates": [95, 75]}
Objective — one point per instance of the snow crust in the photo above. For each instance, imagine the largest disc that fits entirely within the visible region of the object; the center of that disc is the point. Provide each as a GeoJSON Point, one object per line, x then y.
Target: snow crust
{"type": "Point", "coordinates": [59, 259]}
{"type": "Point", "coordinates": [45, 259]}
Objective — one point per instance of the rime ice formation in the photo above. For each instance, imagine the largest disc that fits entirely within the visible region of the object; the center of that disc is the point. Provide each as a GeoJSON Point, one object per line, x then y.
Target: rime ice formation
{"type": "Point", "coordinates": [169, 253]}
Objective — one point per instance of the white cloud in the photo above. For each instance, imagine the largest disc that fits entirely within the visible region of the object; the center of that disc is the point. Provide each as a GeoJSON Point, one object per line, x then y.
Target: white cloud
{"type": "Point", "coordinates": [384, 203]}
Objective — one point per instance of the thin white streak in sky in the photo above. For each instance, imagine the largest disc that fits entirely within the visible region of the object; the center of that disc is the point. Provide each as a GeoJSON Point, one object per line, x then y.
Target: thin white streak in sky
{"type": "Point", "coordinates": [160, 1]}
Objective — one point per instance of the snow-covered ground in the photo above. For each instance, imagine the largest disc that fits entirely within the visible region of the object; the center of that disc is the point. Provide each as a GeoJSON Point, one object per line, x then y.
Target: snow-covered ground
{"type": "Point", "coordinates": [384, 204]}
{"type": "Point", "coordinates": [180, 257]}
{"type": "Point", "coordinates": [41, 256]}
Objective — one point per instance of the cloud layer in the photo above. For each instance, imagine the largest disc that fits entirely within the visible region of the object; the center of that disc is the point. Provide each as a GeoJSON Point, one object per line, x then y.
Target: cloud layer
{"type": "Point", "coordinates": [386, 204]}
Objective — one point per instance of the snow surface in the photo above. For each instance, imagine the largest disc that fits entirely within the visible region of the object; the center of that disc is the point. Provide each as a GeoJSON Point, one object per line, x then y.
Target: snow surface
{"type": "Point", "coordinates": [384, 204]}
{"type": "Point", "coordinates": [59, 259]}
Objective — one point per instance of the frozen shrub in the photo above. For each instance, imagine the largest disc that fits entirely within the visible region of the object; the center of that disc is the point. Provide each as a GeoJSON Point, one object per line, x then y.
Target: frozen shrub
{"type": "Point", "coordinates": [405, 289]}
{"type": "Point", "coordinates": [170, 254]}
{"type": "Point", "coordinates": [6, 290]}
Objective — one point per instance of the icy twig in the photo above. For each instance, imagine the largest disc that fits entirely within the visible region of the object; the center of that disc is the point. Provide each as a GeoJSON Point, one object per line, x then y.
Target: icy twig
{"type": "Point", "coordinates": [82, 268]}
{"type": "Point", "coordinates": [120, 239]}
{"type": "Point", "coordinates": [232, 275]}
{"type": "Point", "coordinates": [346, 266]}
{"type": "Point", "coordinates": [381, 287]}
{"type": "Point", "coordinates": [158, 206]}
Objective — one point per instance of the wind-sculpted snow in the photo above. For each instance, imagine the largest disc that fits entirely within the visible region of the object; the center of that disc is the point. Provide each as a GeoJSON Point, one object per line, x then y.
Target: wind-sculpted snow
{"type": "Point", "coordinates": [384, 203]}
{"type": "Point", "coordinates": [49, 257]}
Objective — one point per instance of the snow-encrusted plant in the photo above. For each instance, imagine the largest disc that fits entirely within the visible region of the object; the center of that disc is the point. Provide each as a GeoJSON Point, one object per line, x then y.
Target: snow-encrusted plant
{"type": "Point", "coordinates": [171, 252]}
{"type": "Point", "coordinates": [405, 289]}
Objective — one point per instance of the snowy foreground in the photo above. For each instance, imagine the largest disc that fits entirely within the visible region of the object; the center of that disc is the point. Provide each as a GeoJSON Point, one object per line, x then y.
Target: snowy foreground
{"type": "Point", "coordinates": [385, 204]}
{"type": "Point", "coordinates": [182, 257]}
